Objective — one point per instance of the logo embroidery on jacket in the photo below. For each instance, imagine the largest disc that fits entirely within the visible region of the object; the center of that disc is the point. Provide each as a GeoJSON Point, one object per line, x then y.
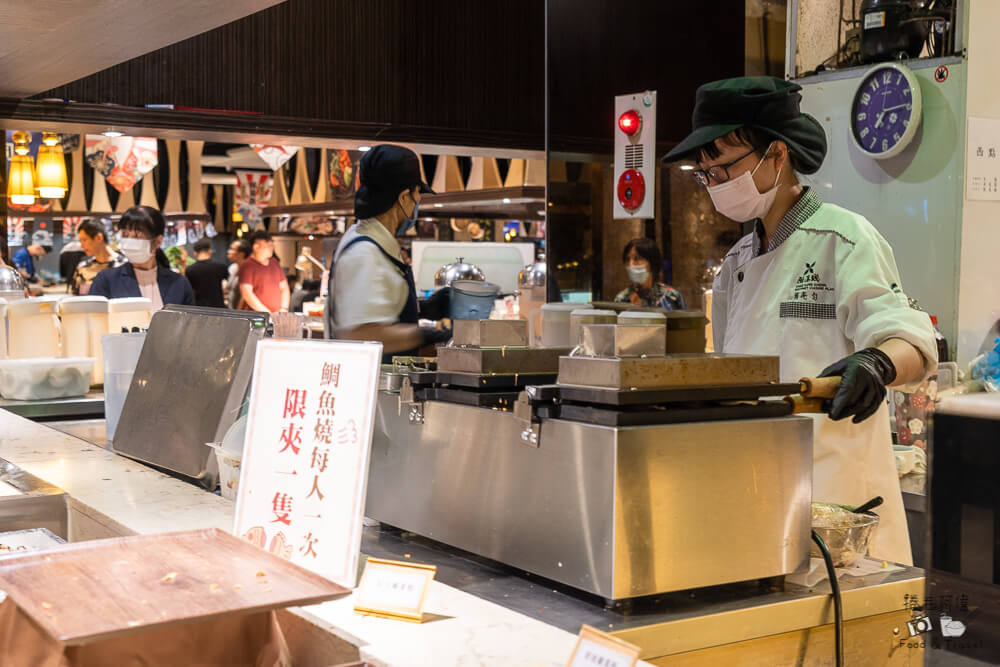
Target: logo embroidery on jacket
{"type": "Point", "coordinates": [809, 287]}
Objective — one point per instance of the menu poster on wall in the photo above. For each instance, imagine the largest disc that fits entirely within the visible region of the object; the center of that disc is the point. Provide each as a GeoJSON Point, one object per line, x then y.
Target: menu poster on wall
{"type": "Point", "coordinates": [305, 463]}
{"type": "Point", "coordinates": [983, 172]}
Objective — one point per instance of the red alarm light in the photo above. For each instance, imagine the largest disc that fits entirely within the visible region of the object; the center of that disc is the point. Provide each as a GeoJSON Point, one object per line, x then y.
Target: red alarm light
{"type": "Point", "coordinates": [630, 122]}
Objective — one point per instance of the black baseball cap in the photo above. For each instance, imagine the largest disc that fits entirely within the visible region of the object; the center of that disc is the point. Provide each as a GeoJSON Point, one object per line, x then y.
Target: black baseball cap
{"type": "Point", "coordinates": [386, 170]}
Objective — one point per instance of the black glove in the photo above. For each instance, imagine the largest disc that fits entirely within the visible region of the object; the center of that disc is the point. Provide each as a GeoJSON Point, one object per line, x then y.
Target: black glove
{"type": "Point", "coordinates": [865, 375]}
{"type": "Point", "coordinates": [435, 336]}
{"type": "Point", "coordinates": [436, 306]}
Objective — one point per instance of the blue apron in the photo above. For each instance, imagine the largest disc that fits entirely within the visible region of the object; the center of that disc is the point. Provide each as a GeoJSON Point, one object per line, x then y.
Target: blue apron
{"type": "Point", "coordinates": [411, 311]}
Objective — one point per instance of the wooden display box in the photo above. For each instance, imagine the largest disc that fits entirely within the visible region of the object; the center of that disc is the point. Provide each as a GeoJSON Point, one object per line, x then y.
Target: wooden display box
{"type": "Point", "coordinates": [195, 597]}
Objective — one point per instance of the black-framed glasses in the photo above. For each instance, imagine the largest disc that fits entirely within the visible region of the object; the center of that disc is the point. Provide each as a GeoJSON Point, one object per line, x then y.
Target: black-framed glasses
{"type": "Point", "coordinates": [718, 173]}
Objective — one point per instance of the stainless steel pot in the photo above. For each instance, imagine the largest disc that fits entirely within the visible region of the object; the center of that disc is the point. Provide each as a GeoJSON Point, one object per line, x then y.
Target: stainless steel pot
{"type": "Point", "coordinates": [472, 299]}
{"type": "Point", "coordinates": [457, 270]}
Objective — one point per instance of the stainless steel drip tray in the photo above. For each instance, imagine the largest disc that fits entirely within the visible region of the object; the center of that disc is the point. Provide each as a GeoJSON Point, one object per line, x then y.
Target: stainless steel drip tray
{"type": "Point", "coordinates": [188, 388]}
{"type": "Point", "coordinates": [27, 502]}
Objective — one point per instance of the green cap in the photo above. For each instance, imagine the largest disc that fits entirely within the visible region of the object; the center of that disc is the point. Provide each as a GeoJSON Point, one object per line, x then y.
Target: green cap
{"type": "Point", "coordinates": [764, 103]}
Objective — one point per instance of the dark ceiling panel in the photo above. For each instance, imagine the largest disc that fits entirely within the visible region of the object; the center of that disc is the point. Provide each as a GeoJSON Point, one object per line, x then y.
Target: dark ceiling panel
{"type": "Point", "coordinates": [445, 64]}
{"type": "Point", "coordinates": [600, 48]}
{"type": "Point", "coordinates": [45, 43]}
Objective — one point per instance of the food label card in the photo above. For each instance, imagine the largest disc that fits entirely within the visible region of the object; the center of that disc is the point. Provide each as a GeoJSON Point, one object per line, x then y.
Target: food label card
{"type": "Point", "coordinates": [394, 589]}
{"type": "Point", "coordinates": [599, 649]}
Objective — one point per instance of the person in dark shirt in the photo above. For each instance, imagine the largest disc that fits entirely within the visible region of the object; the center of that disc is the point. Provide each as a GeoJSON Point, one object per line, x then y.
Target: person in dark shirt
{"type": "Point", "coordinates": [206, 276]}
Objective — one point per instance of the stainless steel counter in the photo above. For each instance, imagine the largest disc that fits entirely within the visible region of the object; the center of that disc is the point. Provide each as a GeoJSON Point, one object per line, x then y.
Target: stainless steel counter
{"type": "Point", "coordinates": [93, 431]}
{"type": "Point", "coordinates": [80, 407]}
{"type": "Point", "coordinates": [620, 512]}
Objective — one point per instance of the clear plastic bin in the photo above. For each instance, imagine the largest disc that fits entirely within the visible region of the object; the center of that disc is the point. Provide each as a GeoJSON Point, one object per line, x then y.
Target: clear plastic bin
{"type": "Point", "coordinates": [84, 321]}
{"type": "Point", "coordinates": [3, 328]}
{"type": "Point", "coordinates": [45, 377]}
{"type": "Point", "coordinates": [121, 354]}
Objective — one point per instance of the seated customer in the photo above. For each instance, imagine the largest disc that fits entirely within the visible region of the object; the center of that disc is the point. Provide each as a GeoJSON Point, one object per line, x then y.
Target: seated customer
{"type": "Point", "coordinates": [141, 230]}
{"type": "Point", "coordinates": [24, 259]}
{"type": "Point", "coordinates": [94, 241]}
{"type": "Point", "coordinates": [644, 263]}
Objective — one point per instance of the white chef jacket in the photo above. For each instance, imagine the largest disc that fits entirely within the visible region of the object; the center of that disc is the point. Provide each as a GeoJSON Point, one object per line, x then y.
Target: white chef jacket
{"type": "Point", "coordinates": [366, 287]}
{"type": "Point", "coordinates": [827, 287]}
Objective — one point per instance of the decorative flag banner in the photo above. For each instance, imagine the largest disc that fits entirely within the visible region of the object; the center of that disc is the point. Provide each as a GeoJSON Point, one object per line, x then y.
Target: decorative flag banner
{"type": "Point", "coordinates": [253, 193]}
{"type": "Point", "coordinates": [343, 171]}
{"type": "Point", "coordinates": [15, 231]}
{"type": "Point", "coordinates": [275, 156]}
{"type": "Point", "coordinates": [305, 462]}
{"type": "Point", "coordinates": [69, 226]}
{"type": "Point", "coordinates": [121, 160]}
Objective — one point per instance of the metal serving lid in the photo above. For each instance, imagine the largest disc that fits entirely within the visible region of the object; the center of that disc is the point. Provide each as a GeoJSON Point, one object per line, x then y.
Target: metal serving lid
{"type": "Point", "coordinates": [11, 284]}
{"type": "Point", "coordinates": [457, 270]}
{"type": "Point", "coordinates": [533, 275]}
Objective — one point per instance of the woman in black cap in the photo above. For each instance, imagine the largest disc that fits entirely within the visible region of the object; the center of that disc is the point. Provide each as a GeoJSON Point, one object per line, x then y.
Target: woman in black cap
{"type": "Point", "coordinates": [814, 283]}
{"type": "Point", "coordinates": [372, 295]}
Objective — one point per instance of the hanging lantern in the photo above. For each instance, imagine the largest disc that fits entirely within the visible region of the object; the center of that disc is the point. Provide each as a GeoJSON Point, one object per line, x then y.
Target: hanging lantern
{"type": "Point", "coordinates": [21, 177]}
{"type": "Point", "coordinates": [50, 170]}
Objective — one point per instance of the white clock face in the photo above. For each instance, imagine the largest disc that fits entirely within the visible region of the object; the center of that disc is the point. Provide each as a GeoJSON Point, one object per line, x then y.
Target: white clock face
{"type": "Point", "coordinates": [885, 113]}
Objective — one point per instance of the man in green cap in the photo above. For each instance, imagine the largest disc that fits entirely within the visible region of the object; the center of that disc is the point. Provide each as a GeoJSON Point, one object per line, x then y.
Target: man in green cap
{"type": "Point", "coordinates": [813, 283]}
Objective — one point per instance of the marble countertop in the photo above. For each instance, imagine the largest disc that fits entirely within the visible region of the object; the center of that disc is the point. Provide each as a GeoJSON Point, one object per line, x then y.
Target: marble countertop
{"type": "Point", "coordinates": [464, 630]}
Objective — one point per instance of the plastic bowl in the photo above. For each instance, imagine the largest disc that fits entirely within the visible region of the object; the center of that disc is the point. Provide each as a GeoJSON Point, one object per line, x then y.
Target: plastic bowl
{"type": "Point", "coordinates": [847, 535]}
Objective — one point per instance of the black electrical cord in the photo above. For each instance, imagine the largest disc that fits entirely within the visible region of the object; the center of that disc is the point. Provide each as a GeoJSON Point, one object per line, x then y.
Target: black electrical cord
{"type": "Point", "coordinates": [838, 606]}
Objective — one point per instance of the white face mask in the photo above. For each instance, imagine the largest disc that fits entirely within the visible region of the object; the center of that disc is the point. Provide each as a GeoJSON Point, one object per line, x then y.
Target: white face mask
{"type": "Point", "coordinates": [738, 198]}
{"type": "Point", "coordinates": [637, 274]}
{"type": "Point", "coordinates": [137, 251]}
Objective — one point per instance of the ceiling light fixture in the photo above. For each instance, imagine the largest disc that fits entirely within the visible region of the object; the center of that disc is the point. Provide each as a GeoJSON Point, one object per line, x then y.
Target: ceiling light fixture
{"type": "Point", "coordinates": [21, 177]}
{"type": "Point", "coordinates": [112, 132]}
{"type": "Point", "coordinates": [50, 170]}
{"type": "Point", "coordinates": [364, 149]}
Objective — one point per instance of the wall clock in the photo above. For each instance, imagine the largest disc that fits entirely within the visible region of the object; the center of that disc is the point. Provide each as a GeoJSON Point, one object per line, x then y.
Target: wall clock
{"type": "Point", "coordinates": [885, 114]}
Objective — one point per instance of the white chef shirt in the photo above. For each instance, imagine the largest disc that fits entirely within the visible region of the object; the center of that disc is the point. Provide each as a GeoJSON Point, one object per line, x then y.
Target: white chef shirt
{"type": "Point", "coordinates": [827, 287]}
{"type": "Point", "coordinates": [367, 287]}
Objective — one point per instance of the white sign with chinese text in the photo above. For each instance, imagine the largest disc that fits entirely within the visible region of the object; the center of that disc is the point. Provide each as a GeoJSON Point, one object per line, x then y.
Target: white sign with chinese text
{"type": "Point", "coordinates": [305, 463]}
{"type": "Point", "coordinates": [599, 649]}
{"type": "Point", "coordinates": [394, 589]}
{"type": "Point", "coordinates": [983, 171]}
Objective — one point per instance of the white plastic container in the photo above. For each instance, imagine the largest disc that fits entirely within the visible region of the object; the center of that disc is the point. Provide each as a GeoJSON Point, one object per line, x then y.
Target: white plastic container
{"type": "Point", "coordinates": [84, 321]}
{"type": "Point", "coordinates": [44, 378]}
{"type": "Point", "coordinates": [33, 328]}
{"type": "Point", "coordinates": [120, 354]}
{"type": "Point", "coordinates": [129, 313]}
{"type": "Point", "coordinates": [3, 328]}
{"type": "Point", "coordinates": [229, 454]}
